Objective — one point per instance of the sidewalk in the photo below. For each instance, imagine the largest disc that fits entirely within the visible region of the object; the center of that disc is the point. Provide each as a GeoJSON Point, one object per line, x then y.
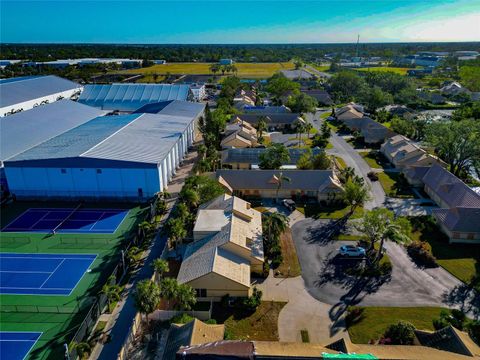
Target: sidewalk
{"type": "Point", "coordinates": [122, 317]}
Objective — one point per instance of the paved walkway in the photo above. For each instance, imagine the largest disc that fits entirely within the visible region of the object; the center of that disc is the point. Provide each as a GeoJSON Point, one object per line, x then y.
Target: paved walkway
{"type": "Point", "coordinates": [121, 320]}
{"type": "Point", "coordinates": [302, 312]}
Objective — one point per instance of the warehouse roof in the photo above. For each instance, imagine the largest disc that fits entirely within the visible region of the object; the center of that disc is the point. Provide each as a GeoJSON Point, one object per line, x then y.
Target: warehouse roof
{"type": "Point", "coordinates": [138, 138]}
{"type": "Point", "coordinates": [130, 97]}
{"type": "Point", "coordinates": [17, 90]}
{"type": "Point", "coordinates": [27, 129]}
{"type": "Point", "coordinates": [174, 107]}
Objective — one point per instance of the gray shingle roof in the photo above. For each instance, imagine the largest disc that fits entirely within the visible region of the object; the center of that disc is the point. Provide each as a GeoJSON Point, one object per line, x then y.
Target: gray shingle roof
{"type": "Point", "coordinates": [17, 90]}
{"type": "Point", "coordinates": [24, 130]}
{"type": "Point", "coordinates": [271, 119]}
{"type": "Point", "coordinates": [252, 155]}
{"type": "Point", "coordinates": [321, 96]}
{"type": "Point", "coordinates": [261, 179]}
{"type": "Point", "coordinates": [130, 97]}
{"type": "Point", "coordinates": [459, 219]}
{"type": "Point", "coordinates": [450, 189]}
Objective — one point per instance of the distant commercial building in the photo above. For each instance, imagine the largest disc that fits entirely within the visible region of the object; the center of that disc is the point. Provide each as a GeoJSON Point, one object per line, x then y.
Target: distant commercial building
{"type": "Point", "coordinates": [4, 63]}
{"type": "Point", "coordinates": [23, 93]}
{"type": "Point", "coordinates": [159, 62]}
{"type": "Point", "coordinates": [125, 157]}
{"type": "Point", "coordinates": [130, 97]}
{"type": "Point", "coordinates": [198, 91]}
{"type": "Point", "coordinates": [225, 61]}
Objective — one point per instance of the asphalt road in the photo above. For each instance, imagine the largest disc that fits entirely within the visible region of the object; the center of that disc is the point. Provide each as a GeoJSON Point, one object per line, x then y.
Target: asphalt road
{"type": "Point", "coordinates": [314, 71]}
{"type": "Point", "coordinates": [408, 285]}
{"type": "Point", "coordinates": [344, 150]}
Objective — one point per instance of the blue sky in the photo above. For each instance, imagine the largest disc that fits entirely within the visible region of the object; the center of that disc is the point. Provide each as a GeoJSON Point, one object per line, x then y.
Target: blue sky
{"type": "Point", "coordinates": [323, 21]}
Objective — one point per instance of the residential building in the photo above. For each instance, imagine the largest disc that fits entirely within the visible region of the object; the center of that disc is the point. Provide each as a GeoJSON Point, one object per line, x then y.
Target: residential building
{"type": "Point", "coordinates": [446, 344]}
{"type": "Point", "coordinates": [275, 121]}
{"type": "Point", "coordinates": [125, 157]}
{"type": "Point", "coordinates": [24, 130]}
{"type": "Point", "coordinates": [459, 215]}
{"type": "Point", "coordinates": [24, 93]}
{"type": "Point", "coordinates": [239, 134]}
{"type": "Point", "coordinates": [266, 109]}
{"type": "Point", "coordinates": [349, 112]}
{"type": "Point", "coordinates": [322, 97]}
{"type": "Point", "coordinates": [227, 248]}
{"type": "Point", "coordinates": [195, 332]}
{"type": "Point", "coordinates": [130, 97]}
{"type": "Point", "coordinates": [403, 153]}
{"type": "Point", "coordinates": [4, 63]}
{"type": "Point", "coordinates": [316, 185]}
{"type": "Point", "coordinates": [432, 97]}
{"type": "Point", "coordinates": [159, 62]}
{"type": "Point", "coordinates": [414, 174]}
{"type": "Point", "coordinates": [371, 131]}
{"type": "Point", "coordinates": [249, 158]}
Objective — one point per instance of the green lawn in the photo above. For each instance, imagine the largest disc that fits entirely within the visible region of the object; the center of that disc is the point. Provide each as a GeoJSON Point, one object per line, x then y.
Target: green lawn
{"type": "Point", "coordinates": [341, 163]}
{"type": "Point", "coordinates": [461, 260]}
{"type": "Point", "coordinates": [333, 212]}
{"type": "Point", "coordinates": [395, 185]}
{"type": "Point", "coordinates": [262, 325]}
{"type": "Point", "coordinates": [245, 70]}
{"type": "Point", "coordinates": [59, 316]}
{"type": "Point", "coordinates": [374, 159]}
{"type": "Point", "coordinates": [373, 321]}
{"type": "Point", "coordinates": [397, 70]}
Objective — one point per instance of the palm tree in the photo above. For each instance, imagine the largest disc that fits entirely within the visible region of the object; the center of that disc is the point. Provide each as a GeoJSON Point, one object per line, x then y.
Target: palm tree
{"type": "Point", "coordinates": [280, 180]}
{"type": "Point", "coordinates": [214, 68]}
{"type": "Point", "coordinates": [347, 174]}
{"type": "Point", "coordinates": [275, 224]}
{"type": "Point", "coordinates": [308, 128]}
{"type": "Point", "coordinates": [168, 289]}
{"type": "Point", "coordinates": [176, 229]}
{"type": "Point", "coordinates": [191, 197]}
{"type": "Point", "coordinates": [185, 297]}
{"type": "Point", "coordinates": [261, 127]}
{"type": "Point", "coordinates": [111, 291]}
{"type": "Point", "coordinates": [299, 128]}
{"type": "Point", "coordinates": [355, 195]}
{"type": "Point", "coordinates": [147, 297]}
{"type": "Point", "coordinates": [155, 77]}
{"type": "Point", "coordinates": [146, 228]}
{"type": "Point", "coordinates": [160, 267]}
{"type": "Point", "coordinates": [202, 151]}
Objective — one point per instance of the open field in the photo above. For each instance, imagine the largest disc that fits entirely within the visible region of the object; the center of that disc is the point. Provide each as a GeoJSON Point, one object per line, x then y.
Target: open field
{"type": "Point", "coordinates": [58, 317]}
{"type": "Point", "coordinates": [373, 321]}
{"type": "Point", "coordinates": [397, 70]}
{"type": "Point", "coordinates": [245, 70]}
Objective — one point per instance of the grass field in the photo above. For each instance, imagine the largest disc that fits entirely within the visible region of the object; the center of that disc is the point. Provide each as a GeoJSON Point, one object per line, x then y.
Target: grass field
{"type": "Point", "coordinates": [262, 325]}
{"type": "Point", "coordinates": [245, 70]}
{"type": "Point", "coordinates": [334, 212]}
{"type": "Point", "coordinates": [394, 185]}
{"type": "Point", "coordinates": [58, 317]}
{"type": "Point", "coordinates": [290, 267]}
{"type": "Point", "coordinates": [461, 260]}
{"type": "Point", "coordinates": [374, 159]}
{"type": "Point", "coordinates": [373, 321]}
{"type": "Point", "coordinates": [397, 70]}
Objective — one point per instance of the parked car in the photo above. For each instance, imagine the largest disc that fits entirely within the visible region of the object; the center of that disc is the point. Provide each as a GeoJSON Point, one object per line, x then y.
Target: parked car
{"type": "Point", "coordinates": [352, 251]}
{"type": "Point", "coordinates": [289, 204]}
{"type": "Point", "coordinates": [373, 176]}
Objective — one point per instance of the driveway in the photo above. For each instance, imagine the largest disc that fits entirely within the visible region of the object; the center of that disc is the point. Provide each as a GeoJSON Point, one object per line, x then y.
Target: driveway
{"type": "Point", "coordinates": [410, 207]}
{"type": "Point", "coordinates": [408, 285]}
{"type": "Point", "coordinates": [351, 157]}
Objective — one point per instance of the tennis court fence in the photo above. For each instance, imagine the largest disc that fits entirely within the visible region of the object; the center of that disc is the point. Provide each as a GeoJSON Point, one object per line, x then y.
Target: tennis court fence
{"type": "Point", "coordinates": [39, 309]}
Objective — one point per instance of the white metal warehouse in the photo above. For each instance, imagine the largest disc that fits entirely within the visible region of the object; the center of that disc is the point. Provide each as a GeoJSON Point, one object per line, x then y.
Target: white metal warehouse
{"type": "Point", "coordinates": [24, 93]}
{"type": "Point", "coordinates": [121, 157]}
{"type": "Point", "coordinates": [130, 97]}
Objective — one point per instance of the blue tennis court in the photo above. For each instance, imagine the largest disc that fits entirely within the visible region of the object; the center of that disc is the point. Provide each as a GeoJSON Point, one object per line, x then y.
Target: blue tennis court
{"type": "Point", "coordinates": [42, 274]}
{"type": "Point", "coordinates": [15, 345]}
{"type": "Point", "coordinates": [73, 221]}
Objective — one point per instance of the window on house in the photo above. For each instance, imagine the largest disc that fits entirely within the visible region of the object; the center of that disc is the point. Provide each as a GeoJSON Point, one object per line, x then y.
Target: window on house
{"type": "Point", "coordinates": [63, 171]}
{"type": "Point", "coordinates": [470, 236]}
{"type": "Point", "coordinates": [99, 171]}
{"type": "Point", "coordinates": [249, 242]}
{"type": "Point", "coordinates": [201, 292]}
{"type": "Point", "coordinates": [456, 235]}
